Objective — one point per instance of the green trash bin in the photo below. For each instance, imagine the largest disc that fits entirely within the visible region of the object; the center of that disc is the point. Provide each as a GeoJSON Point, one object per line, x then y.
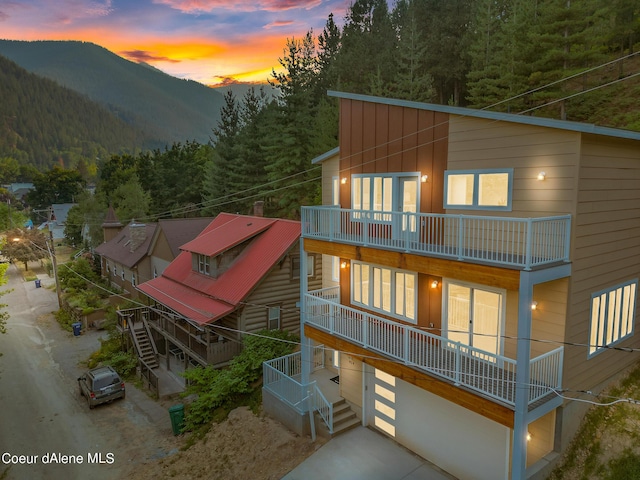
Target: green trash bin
{"type": "Point", "coordinates": [176, 413]}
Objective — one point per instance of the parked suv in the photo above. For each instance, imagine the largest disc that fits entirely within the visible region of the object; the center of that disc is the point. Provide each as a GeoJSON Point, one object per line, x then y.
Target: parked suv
{"type": "Point", "coordinates": [101, 385]}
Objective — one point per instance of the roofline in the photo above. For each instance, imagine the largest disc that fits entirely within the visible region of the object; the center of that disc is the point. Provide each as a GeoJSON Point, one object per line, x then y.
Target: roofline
{"type": "Point", "coordinates": [505, 117]}
{"type": "Point", "coordinates": [326, 155]}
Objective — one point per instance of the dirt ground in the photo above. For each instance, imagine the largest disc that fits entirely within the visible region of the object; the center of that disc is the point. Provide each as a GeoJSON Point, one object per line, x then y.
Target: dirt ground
{"type": "Point", "coordinates": [243, 446]}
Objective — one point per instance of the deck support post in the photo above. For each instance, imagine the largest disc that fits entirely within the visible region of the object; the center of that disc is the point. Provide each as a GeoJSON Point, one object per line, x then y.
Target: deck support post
{"type": "Point", "coordinates": [520, 421]}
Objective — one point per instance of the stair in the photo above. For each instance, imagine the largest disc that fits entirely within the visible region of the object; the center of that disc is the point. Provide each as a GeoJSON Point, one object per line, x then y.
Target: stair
{"type": "Point", "coordinates": [145, 350]}
{"type": "Point", "coordinates": [343, 419]}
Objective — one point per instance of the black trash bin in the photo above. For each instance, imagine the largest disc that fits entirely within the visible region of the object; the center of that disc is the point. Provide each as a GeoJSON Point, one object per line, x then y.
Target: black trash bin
{"type": "Point", "coordinates": [176, 413]}
{"type": "Point", "coordinates": [76, 328]}
{"type": "Point", "coordinates": [38, 283]}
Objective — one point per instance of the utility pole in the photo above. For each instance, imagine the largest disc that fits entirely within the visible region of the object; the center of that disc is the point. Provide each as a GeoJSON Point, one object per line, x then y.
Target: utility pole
{"type": "Point", "coordinates": [52, 253]}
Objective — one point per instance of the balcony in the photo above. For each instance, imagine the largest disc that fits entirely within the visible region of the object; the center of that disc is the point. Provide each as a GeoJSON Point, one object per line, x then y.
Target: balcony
{"type": "Point", "coordinates": [521, 243]}
{"type": "Point", "coordinates": [480, 371]}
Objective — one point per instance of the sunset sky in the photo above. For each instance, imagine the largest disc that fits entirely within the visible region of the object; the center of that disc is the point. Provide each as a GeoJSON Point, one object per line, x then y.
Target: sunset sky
{"type": "Point", "coordinates": [210, 41]}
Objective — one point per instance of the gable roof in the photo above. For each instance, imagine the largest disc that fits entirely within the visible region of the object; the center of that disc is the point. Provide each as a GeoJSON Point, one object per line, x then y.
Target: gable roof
{"type": "Point", "coordinates": [130, 245]}
{"type": "Point", "coordinates": [505, 117]}
{"type": "Point", "coordinates": [204, 299]}
{"type": "Point", "coordinates": [179, 231]}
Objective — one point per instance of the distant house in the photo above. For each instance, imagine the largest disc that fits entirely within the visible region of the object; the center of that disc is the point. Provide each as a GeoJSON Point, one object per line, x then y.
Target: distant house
{"type": "Point", "coordinates": [240, 274]}
{"type": "Point", "coordinates": [124, 258]}
{"type": "Point", "coordinates": [19, 190]}
{"type": "Point", "coordinates": [484, 276]}
{"type": "Point", "coordinates": [57, 219]}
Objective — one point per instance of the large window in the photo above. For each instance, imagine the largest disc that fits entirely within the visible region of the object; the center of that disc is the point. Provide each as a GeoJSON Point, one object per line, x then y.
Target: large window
{"type": "Point", "coordinates": [385, 289]}
{"type": "Point", "coordinates": [612, 315]}
{"type": "Point", "coordinates": [474, 315]}
{"type": "Point", "coordinates": [384, 194]}
{"type": "Point", "coordinates": [481, 189]}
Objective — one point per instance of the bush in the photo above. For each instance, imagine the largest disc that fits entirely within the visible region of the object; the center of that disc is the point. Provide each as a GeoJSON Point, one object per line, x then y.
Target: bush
{"type": "Point", "coordinates": [227, 389]}
{"type": "Point", "coordinates": [64, 319]}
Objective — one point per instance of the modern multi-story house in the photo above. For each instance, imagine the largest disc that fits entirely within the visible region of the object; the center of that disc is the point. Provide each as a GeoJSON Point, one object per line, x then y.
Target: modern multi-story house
{"type": "Point", "coordinates": [482, 267]}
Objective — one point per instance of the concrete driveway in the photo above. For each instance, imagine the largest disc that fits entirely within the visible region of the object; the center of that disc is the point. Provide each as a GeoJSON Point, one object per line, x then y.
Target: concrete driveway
{"type": "Point", "coordinates": [364, 454]}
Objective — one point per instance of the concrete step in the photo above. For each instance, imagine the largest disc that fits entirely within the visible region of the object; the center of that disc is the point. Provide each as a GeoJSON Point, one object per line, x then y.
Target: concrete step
{"type": "Point", "coordinates": [343, 419]}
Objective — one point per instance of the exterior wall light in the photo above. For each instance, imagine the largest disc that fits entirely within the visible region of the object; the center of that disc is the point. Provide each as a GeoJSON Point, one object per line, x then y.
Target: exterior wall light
{"type": "Point", "coordinates": [424, 178]}
{"type": "Point", "coordinates": [542, 176]}
{"type": "Point", "coordinates": [534, 305]}
{"type": "Point", "coordinates": [343, 264]}
{"type": "Point", "coordinates": [343, 180]}
{"type": "Point", "coordinates": [434, 284]}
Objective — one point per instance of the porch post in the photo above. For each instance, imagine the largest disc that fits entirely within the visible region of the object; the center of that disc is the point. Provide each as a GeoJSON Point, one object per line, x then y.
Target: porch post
{"type": "Point", "coordinates": [305, 346]}
{"type": "Point", "coordinates": [519, 455]}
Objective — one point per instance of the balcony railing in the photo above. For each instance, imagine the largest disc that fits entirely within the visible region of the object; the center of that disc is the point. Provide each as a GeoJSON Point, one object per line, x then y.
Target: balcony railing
{"type": "Point", "coordinates": [515, 242]}
{"type": "Point", "coordinates": [484, 372]}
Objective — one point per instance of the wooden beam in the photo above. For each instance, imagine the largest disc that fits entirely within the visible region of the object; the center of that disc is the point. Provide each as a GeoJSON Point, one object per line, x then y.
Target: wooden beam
{"type": "Point", "coordinates": [476, 403]}
{"type": "Point", "coordinates": [499, 277]}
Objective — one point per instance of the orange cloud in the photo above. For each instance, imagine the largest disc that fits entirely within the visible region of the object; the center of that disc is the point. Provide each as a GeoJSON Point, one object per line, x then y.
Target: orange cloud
{"type": "Point", "coordinates": [206, 6]}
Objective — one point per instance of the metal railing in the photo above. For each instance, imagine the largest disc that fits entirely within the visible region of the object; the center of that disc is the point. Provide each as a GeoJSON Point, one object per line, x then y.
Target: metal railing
{"type": "Point", "coordinates": [515, 242]}
{"type": "Point", "coordinates": [485, 372]}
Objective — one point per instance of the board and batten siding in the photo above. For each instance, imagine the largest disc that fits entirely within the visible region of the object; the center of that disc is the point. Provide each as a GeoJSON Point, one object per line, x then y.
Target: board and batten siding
{"type": "Point", "coordinates": [278, 288]}
{"type": "Point", "coordinates": [378, 138]}
{"type": "Point", "coordinates": [476, 144]}
{"type": "Point", "coordinates": [605, 251]}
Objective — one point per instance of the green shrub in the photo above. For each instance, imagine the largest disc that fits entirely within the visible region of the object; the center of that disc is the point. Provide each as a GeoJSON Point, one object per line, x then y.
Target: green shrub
{"type": "Point", "coordinates": [235, 385]}
{"type": "Point", "coordinates": [64, 319]}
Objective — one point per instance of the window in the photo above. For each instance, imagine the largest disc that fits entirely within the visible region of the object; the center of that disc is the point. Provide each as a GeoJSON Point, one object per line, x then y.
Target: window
{"type": "Point", "coordinates": [204, 264]}
{"type": "Point", "coordinates": [335, 191]}
{"type": "Point", "coordinates": [373, 193]}
{"type": "Point", "coordinates": [295, 266]}
{"type": "Point", "coordinates": [335, 269]}
{"type": "Point", "coordinates": [481, 189]}
{"type": "Point", "coordinates": [474, 315]}
{"type": "Point", "coordinates": [122, 274]}
{"type": "Point", "coordinates": [384, 289]}
{"type": "Point", "coordinates": [133, 279]}
{"type": "Point", "coordinates": [612, 315]}
{"type": "Point", "coordinates": [273, 318]}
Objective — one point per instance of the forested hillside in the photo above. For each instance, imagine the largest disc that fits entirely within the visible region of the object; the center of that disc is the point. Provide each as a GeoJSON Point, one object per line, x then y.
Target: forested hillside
{"type": "Point", "coordinates": [42, 123]}
{"type": "Point", "coordinates": [165, 107]}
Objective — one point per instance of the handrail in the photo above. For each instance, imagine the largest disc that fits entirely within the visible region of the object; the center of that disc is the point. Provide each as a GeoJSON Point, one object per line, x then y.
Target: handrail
{"type": "Point", "coordinates": [515, 242]}
{"type": "Point", "coordinates": [324, 408]}
{"type": "Point", "coordinates": [485, 372]}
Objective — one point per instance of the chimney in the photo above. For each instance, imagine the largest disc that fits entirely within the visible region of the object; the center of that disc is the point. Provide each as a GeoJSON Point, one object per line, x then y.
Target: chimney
{"type": "Point", "coordinates": [137, 235]}
{"type": "Point", "coordinates": [258, 208]}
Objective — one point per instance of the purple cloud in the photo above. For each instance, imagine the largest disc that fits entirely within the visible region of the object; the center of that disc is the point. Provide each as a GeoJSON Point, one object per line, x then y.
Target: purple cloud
{"type": "Point", "coordinates": [140, 56]}
{"type": "Point", "coordinates": [207, 6]}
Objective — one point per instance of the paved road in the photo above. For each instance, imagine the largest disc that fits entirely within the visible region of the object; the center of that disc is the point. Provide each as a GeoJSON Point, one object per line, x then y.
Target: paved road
{"type": "Point", "coordinates": [43, 416]}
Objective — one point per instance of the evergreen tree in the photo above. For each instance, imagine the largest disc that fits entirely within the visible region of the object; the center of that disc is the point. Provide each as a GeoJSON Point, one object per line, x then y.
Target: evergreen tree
{"type": "Point", "coordinates": [367, 47]}
{"type": "Point", "coordinates": [289, 149]}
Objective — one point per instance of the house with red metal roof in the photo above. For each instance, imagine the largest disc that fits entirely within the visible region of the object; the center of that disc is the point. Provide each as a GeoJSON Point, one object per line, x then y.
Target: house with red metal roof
{"type": "Point", "coordinates": [240, 274]}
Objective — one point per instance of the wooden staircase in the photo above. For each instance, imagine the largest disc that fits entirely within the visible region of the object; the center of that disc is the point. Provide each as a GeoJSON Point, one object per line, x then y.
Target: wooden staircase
{"type": "Point", "coordinates": [343, 419]}
{"type": "Point", "coordinates": [144, 347]}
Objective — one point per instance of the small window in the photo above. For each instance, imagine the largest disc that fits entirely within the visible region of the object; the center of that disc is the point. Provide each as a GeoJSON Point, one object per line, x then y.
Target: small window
{"type": "Point", "coordinates": [480, 190]}
{"type": "Point", "coordinates": [335, 191]}
{"type": "Point", "coordinates": [122, 274]}
{"type": "Point", "coordinates": [295, 266]}
{"type": "Point", "coordinates": [133, 279]}
{"type": "Point", "coordinates": [273, 318]}
{"type": "Point", "coordinates": [335, 269]}
{"type": "Point", "coordinates": [204, 264]}
{"type": "Point", "coordinates": [612, 316]}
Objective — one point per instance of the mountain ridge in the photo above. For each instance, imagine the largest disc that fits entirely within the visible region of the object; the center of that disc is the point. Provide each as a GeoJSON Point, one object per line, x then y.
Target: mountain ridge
{"type": "Point", "coordinates": [163, 106]}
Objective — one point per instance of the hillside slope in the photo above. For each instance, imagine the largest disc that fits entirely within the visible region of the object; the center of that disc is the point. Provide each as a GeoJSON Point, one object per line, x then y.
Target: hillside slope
{"type": "Point", "coordinates": [165, 107]}
{"type": "Point", "coordinates": [42, 123]}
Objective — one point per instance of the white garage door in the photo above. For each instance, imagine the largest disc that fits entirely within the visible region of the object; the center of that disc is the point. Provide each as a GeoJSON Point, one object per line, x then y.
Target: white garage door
{"type": "Point", "coordinates": [463, 443]}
